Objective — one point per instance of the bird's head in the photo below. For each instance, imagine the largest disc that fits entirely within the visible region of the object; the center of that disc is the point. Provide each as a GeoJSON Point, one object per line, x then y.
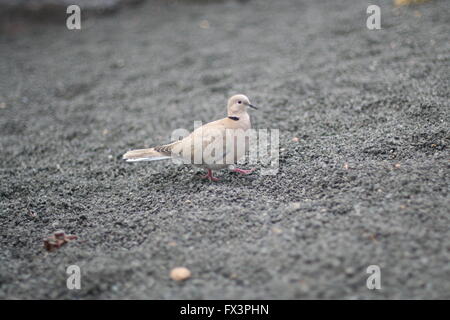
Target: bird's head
{"type": "Point", "coordinates": [238, 104]}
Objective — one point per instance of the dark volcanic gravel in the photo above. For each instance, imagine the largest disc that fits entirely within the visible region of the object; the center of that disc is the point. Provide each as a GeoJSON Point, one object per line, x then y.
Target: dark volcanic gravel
{"type": "Point", "coordinates": [366, 183]}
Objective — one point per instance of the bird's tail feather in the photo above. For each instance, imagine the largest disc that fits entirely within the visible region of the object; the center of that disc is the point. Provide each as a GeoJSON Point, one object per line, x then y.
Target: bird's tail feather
{"type": "Point", "coordinates": [144, 155]}
{"type": "Point", "coordinates": [147, 159]}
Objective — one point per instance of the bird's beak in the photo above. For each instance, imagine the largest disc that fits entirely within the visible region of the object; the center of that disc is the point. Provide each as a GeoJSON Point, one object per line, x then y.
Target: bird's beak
{"type": "Point", "coordinates": [252, 106]}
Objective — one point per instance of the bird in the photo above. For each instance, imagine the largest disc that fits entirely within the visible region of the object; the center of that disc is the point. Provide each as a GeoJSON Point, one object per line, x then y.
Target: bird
{"type": "Point", "coordinates": [213, 146]}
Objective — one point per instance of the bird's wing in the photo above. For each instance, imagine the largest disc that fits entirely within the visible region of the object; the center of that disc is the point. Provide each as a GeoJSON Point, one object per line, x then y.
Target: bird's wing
{"type": "Point", "coordinates": [205, 145]}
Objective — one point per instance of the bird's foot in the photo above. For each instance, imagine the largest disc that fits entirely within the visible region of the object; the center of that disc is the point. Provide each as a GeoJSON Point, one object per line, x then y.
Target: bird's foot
{"type": "Point", "coordinates": [243, 171]}
{"type": "Point", "coordinates": [210, 176]}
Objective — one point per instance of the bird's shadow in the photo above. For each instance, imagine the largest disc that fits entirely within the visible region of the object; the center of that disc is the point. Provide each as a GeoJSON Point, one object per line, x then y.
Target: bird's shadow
{"type": "Point", "coordinates": [189, 178]}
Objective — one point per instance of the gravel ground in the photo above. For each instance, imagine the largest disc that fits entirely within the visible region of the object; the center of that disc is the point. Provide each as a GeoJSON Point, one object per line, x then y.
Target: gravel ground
{"type": "Point", "coordinates": [366, 183]}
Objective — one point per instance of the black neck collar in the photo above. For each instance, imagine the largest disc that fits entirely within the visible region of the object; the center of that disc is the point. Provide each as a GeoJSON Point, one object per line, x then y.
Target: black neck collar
{"type": "Point", "coordinates": [234, 118]}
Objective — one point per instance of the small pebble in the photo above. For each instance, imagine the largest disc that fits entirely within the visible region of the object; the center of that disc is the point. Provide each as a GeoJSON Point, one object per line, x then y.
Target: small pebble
{"type": "Point", "coordinates": [276, 230]}
{"type": "Point", "coordinates": [117, 64]}
{"type": "Point", "coordinates": [204, 24]}
{"type": "Point", "coordinates": [180, 274]}
{"type": "Point", "coordinates": [293, 206]}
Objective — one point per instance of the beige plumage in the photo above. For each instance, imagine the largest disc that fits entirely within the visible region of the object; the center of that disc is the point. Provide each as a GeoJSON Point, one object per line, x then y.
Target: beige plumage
{"type": "Point", "coordinates": [213, 146]}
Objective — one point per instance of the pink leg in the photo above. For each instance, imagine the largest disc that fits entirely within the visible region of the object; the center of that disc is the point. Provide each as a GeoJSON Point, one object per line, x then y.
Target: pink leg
{"type": "Point", "coordinates": [210, 176]}
{"type": "Point", "coordinates": [243, 171]}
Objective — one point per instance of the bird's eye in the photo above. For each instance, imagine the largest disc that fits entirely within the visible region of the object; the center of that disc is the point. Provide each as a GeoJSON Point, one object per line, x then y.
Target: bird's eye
{"type": "Point", "coordinates": [239, 102]}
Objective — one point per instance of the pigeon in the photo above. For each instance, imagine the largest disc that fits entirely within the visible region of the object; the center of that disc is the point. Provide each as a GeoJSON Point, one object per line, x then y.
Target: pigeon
{"type": "Point", "coordinates": [213, 146]}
